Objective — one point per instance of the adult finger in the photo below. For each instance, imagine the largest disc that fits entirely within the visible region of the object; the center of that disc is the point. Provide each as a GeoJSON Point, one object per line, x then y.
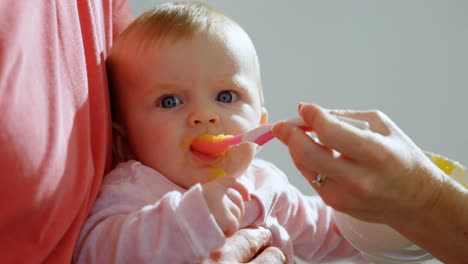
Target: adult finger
{"type": "Point", "coordinates": [348, 140]}
{"type": "Point", "coordinates": [271, 255]}
{"type": "Point", "coordinates": [378, 121]}
{"type": "Point", "coordinates": [243, 245]}
{"type": "Point", "coordinates": [309, 156]}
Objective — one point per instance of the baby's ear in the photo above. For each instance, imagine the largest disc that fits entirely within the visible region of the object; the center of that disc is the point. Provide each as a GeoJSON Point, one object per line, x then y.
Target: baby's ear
{"type": "Point", "coordinates": [120, 147]}
{"type": "Point", "coordinates": [264, 117]}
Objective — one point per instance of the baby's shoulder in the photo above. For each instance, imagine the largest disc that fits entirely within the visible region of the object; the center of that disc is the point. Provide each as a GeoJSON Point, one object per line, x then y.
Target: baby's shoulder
{"type": "Point", "coordinates": [123, 172]}
{"type": "Point", "coordinates": [134, 173]}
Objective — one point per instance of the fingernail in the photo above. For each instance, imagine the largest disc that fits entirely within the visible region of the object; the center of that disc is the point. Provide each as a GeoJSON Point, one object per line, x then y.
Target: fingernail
{"type": "Point", "coordinates": [299, 107]}
{"type": "Point", "coordinates": [215, 255]}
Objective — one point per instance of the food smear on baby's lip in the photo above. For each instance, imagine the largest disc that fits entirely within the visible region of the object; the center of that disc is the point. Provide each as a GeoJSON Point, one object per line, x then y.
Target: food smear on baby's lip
{"type": "Point", "coordinates": [211, 144]}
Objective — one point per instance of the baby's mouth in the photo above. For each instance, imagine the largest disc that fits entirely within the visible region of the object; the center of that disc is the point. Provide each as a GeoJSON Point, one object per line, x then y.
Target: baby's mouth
{"type": "Point", "coordinates": [212, 145]}
{"type": "Point", "coordinates": [201, 154]}
{"type": "Point", "coordinates": [206, 147]}
{"type": "Point", "coordinates": [209, 158]}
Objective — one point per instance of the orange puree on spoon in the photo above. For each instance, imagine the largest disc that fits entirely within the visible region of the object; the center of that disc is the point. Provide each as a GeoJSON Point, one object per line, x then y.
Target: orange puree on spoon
{"type": "Point", "coordinates": [209, 144]}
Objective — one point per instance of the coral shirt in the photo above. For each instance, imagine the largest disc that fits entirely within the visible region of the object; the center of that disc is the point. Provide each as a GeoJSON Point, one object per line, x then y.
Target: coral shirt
{"type": "Point", "coordinates": [54, 121]}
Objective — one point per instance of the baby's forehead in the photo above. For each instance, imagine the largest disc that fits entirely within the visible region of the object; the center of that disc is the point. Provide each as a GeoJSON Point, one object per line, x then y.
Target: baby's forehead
{"type": "Point", "coordinates": [230, 39]}
{"type": "Point", "coordinates": [227, 41]}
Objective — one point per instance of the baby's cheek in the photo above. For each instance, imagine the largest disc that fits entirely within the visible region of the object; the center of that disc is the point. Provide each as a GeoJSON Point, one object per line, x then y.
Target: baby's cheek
{"type": "Point", "coordinates": [185, 143]}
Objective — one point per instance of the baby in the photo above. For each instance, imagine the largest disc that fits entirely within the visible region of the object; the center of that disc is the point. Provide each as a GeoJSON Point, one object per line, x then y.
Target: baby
{"type": "Point", "coordinates": [179, 71]}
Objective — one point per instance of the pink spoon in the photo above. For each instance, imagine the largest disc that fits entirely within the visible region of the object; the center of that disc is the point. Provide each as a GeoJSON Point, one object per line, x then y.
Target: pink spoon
{"type": "Point", "coordinates": [217, 145]}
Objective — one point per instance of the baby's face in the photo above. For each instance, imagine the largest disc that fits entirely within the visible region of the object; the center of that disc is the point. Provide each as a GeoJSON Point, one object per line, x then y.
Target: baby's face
{"type": "Point", "coordinates": [183, 89]}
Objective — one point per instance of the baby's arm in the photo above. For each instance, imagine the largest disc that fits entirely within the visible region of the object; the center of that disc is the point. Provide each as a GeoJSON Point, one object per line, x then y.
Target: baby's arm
{"type": "Point", "coordinates": [308, 221]}
{"type": "Point", "coordinates": [130, 223]}
{"type": "Point", "coordinates": [313, 231]}
{"type": "Point", "coordinates": [225, 198]}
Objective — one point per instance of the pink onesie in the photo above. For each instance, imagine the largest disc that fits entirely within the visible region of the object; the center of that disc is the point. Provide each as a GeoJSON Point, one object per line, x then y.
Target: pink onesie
{"type": "Point", "coordinates": [142, 217]}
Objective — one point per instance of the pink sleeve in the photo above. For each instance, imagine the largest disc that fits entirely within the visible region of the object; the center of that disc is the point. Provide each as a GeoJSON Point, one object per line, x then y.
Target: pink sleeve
{"type": "Point", "coordinates": [125, 228]}
{"type": "Point", "coordinates": [313, 230]}
{"type": "Point", "coordinates": [308, 221]}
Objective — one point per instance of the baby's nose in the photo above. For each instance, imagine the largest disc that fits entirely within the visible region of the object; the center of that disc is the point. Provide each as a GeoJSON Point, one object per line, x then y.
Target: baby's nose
{"type": "Point", "coordinates": [203, 116]}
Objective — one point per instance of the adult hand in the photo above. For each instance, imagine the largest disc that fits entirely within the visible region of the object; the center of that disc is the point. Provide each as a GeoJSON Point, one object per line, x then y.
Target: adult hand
{"type": "Point", "coordinates": [380, 176]}
{"type": "Point", "coordinates": [380, 173]}
{"type": "Point", "coordinates": [248, 245]}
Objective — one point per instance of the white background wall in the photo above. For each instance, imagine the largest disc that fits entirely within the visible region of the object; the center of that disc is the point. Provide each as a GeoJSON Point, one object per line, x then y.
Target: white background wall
{"type": "Point", "coordinates": [406, 58]}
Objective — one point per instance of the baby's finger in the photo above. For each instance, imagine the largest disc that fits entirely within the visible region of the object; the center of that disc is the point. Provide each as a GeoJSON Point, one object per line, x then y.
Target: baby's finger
{"type": "Point", "coordinates": [236, 199]}
{"type": "Point", "coordinates": [230, 182]}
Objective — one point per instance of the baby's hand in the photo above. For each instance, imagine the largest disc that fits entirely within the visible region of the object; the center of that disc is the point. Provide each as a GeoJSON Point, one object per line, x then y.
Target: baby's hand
{"type": "Point", "coordinates": [225, 198]}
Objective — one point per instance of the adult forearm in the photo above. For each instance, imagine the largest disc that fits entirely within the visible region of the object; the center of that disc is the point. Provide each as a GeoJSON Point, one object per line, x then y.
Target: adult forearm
{"type": "Point", "coordinates": [443, 229]}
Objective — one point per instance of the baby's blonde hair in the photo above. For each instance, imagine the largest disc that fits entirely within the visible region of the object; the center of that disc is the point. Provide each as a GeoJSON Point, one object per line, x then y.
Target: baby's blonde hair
{"type": "Point", "coordinates": [175, 20]}
{"type": "Point", "coordinates": [169, 22]}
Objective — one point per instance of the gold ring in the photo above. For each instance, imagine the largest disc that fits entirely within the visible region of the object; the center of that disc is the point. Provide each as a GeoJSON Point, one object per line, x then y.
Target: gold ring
{"type": "Point", "coordinates": [319, 180]}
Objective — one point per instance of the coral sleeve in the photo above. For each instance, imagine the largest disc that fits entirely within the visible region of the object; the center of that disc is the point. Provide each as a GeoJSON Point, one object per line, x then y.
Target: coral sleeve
{"type": "Point", "coordinates": [54, 121]}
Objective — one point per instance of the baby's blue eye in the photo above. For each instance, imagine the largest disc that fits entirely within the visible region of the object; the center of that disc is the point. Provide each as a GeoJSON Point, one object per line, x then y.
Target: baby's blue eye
{"type": "Point", "coordinates": [226, 96]}
{"type": "Point", "coordinates": [169, 101]}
